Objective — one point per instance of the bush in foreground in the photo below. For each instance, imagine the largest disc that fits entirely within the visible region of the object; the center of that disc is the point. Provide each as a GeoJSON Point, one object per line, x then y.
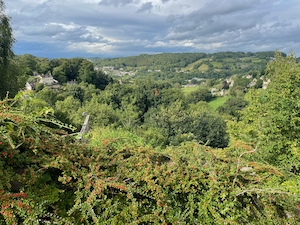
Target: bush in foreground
{"type": "Point", "coordinates": [116, 179]}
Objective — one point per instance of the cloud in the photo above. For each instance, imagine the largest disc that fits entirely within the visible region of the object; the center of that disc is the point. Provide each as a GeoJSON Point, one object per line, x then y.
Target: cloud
{"type": "Point", "coordinates": [234, 25]}
{"type": "Point", "coordinates": [125, 27]}
{"type": "Point", "coordinates": [146, 7]}
{"type": "Point", "coordinates": [115, 3]}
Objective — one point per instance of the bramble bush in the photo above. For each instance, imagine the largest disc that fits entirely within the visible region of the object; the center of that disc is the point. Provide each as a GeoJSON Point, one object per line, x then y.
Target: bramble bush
{"type": "Point", "coordinates": [48, 177]}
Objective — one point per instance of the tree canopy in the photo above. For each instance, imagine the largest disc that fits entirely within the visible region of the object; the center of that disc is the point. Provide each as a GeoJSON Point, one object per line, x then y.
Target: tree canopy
{"type": "Point", "coordinates": [8, 71]}
{"type": "Point", "coordinates": [272, 118]}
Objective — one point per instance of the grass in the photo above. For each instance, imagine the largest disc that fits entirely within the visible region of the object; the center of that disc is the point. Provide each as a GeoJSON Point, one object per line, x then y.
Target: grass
{"type": "Point", "coordinates": [218, 102]}
{"type": "Point", "coordinates": [217, 65]}
{"type": "Point", "coordinates": [203, 67]}
{"type": "Point", "coordinates": [187, 90]}
{"type": "Point", "coordinates": [191, 66]}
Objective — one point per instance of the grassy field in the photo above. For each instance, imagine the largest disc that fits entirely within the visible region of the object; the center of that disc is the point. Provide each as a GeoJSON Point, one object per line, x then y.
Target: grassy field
{"type": "Point", "coordinates": [203, 67]}
{"type": "Point", "coordinates": [217, 65]}
{"type": "Point", "coordinates": [189, 89]}
{"type": "Point", "coordinates": [218, 102]}
{"type": "Point", "coordinates": [191, 66]}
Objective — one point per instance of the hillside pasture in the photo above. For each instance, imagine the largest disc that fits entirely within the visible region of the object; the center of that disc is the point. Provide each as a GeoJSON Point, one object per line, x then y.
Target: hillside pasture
{"type": "Point", "coordinates": [215, 103]}
{"type": "Point", "coordinates": [188, 89]}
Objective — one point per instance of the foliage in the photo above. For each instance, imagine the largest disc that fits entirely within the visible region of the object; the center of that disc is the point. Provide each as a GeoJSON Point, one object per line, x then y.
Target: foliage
{"type": "Point", "coordinates": [271, 120]}
{"type": "Point", "coordinates": [7, 39]}
{"type": "Point", "coordinates": [64, 70]}
{"type": "Point", "coordinates": [150, 157]}
{"type": "Point", "coordinates": [210, 129]}
{"type": "Point", "coordinates": [183, 68]}
{"type": "Point", "coordinates": [189, 184]}
{"type": "Point", "coordinates": [232, 107]}
{"type": "Point", "coordinates": [47, 95]}
{"type": "Point", "coordinates": [11, 80]}
{"type": "Point", "coordinates": [29, 164]}
{"type": "Point", "coordinates": [119, 179]}
{"type": "Point", "coordinates": [67, 109]}
{"type": "Point", "coordinates": [177, 123]}
{"type": "Point", "coordinates": [96, 77]}
{"type": "Point", "coordinates": [259, 83]}
{"type": "Point", "coordinates": [202, 94]}
{"type": "Point", "coordinates": [173, 121]}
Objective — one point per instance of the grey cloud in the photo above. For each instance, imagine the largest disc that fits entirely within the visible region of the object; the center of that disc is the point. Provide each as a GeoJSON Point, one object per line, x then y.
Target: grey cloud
{"type": "Point", "coordinates": [57, 32]}
{"type": "Point", "coordinates": [218, 25]}
{"type": "Point", "coordinates": [115, 3]}
{"type": "Point", "coordinates": [146, 7]}
{"type": "Point", "coordinates": [223, 7]}
{"type": "Point", "coordinates": [73, 35]}
{"type": "Point", "coordinates": [207, 21]}
{"type": "Point", "coordinates": [46, 30]}
{"type": "Point", "coordinates": [248, 26]}
{"type": "Point", "coordinates": [91, 38]}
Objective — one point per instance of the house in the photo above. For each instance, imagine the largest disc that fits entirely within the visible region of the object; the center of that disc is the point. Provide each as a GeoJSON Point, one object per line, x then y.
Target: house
{"type": "Point", "coordinates": [47, 79]}
{"type": "Point", "coordinates": [30, 86]}
{"type": "Point", "coordinates": [72, 82]}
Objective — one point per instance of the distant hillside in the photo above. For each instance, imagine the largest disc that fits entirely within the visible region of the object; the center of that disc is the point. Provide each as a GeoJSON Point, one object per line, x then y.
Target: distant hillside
{"type": "Point", "coordinates": [184, 66]}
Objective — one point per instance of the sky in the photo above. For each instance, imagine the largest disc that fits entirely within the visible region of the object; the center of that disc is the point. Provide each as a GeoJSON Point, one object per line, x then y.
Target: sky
{"type": "Point", "coordinates": [120, 28]}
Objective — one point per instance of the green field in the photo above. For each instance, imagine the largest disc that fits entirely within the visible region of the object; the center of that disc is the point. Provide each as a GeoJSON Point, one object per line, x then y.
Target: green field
{"type": "Point", "coordinates": [191, 66]}
{"type": "Point", "coordinates": [203, 67]}
{"type": "Point", "coordinates": [217, 65]}
{"type": "Point", "coordinates": [190, 89]}
{"type": "Point", "coordinates": [215, 103]}
{"type": "Point", "coordinates": [218, 102]}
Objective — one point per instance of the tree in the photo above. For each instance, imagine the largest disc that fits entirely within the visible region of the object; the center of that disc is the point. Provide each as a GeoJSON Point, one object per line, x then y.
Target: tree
{"type": "Point", "coordinates": [47, 95]}
{"type": "Point", "coordinates": [232, 107]}
{"type": "Point", "coordinates": [100, 79]}
{"type": "Point", "coordinates": [60, 74]}
{"type": "Point", "coordinates": [210, 129]}
{"type": "Point", "coordinates": [7, 39]}
{"type": "Point", "coordinates": [67, 110]}
{"type": "Point", "coordinates": [202, 94]}
{"type": "Point", "coordinates": [225, 85]}
{"type": "Point", "coordinates": [28, 63]}
{"type": "Point", "coordinates": [173, 121]}
{"type": "Point", "coordinates": [6, 53]}
{"type": "Point", "coordinates": [272, 120]}
{"type": "Point", "coordinates": [43, 66]}
{"type": "Point", "coordinates": [259, 83]}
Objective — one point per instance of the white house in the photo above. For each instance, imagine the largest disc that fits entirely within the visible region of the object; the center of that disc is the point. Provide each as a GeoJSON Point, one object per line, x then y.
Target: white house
{"type": "Point", "coordinates": [47, 79]}
{"type": "Point", "coordinates": [30, 86]}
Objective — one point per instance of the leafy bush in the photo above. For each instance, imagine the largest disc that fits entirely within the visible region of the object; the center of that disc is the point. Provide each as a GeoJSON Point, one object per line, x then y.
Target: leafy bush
{"type": "Point", "coordinates": [117, 179]}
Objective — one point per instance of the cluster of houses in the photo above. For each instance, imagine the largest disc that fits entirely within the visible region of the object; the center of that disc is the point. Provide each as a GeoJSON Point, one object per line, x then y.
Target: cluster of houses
{"type": "Point", "coordinates": [110, 70]}
{"type": "Point", "coordinates": [46, 80]}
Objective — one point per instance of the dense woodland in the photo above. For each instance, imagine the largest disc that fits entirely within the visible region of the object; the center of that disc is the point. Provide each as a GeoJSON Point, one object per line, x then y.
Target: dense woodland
{"type": "Point", "coordinates": [157, 151]}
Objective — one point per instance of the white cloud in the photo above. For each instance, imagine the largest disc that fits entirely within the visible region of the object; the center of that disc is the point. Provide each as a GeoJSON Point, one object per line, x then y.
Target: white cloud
{"type": "Point", "coordinates": [92, 48]}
